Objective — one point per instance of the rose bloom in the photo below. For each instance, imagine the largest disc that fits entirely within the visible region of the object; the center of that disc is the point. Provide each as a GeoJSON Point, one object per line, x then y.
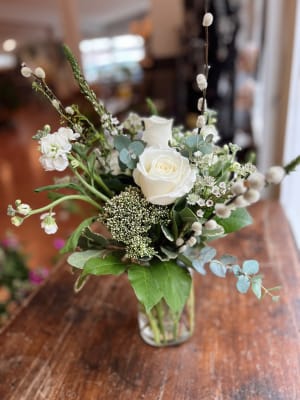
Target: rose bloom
{"type": "Point", "coordinates": [158, 131]}
{"type": "Point", "coordinates": [163, 175]}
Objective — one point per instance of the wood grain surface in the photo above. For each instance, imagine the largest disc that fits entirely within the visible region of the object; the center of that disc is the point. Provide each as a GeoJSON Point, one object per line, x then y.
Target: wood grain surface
{"type": "Point", "coordinates": [63, 346]}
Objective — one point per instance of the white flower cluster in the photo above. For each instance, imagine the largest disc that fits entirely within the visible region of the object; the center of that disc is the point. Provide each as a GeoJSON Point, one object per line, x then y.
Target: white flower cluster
{"type": "Point", "coordinates": [55, 148]}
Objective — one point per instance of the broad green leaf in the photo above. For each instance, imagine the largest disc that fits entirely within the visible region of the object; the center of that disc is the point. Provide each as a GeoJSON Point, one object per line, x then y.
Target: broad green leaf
{"type": "Point", "coordinates": [187, 215]}
{"type": "Point", "coordinates": [174, 282]}
{"type": "Point", "coordinates": [243, 284]}
{"type": "Point", "coordinates": [256, 287]}
{"type": "Point", "coordinates": [79, 258]}
{"type": "Point", "coordinates": [145, 286]}
{"type": "Point", "coordinates": [238, 219]}
{"type": "Point", "coordinates": [218, 268]}
{"type": "Point", "coordinates": [71, 243]}
{"type": "Point", "coordinates": [110, 265]}
{"type": "Point", "coordinates": [121, 142]}
{"type": "Point", "coordinates": [250, 267]}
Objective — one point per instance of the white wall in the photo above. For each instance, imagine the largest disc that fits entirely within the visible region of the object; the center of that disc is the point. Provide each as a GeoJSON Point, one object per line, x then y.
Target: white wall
{"type": "Point", "coordinates": [290, 193]}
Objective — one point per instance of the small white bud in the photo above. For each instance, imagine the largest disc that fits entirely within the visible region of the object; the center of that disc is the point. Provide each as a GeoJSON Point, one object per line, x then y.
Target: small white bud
{"type": "Point", "coordinates": [69, 110]}
{"type": "Point", "coordinates": [183, 248]}
{"type": "Point", "coordinates": [191, 241]}
{"type": "Point", "coordinates": [201, 121]}
{"type": "Point", "coordinates": [275, 174]}
{"type": "Point", "coordinates": [179, 242]}
{"type": "Point", "coordinates": [24, 209]}
{"type": "Point", "coordinates": [211, 224]}
{"type": "Point", "coordinates": [40, 73]}
{"type": "Point", "coordinates": [196, 227]}
{"type": "Point", "coordinates": [201, 81]}
{"type": "Point", "coordinates": [200, 103]}
{"type": "Point", "coordinates": [207, 19]}
{"type": "Point", "coordinates": [16, 221]}
{"type": "Point", "coordinates": [26, 72]}
{"type": "Point", "coordinates": [55, 103]}
{"type": "Point", "coordinates": [222, 210]}
{"type": "Point", "coordinates": [238, 187]}
{"type": "Point", "coordinates": [256, 181]}
{"type": "Point", "coordinates": [252, 196]}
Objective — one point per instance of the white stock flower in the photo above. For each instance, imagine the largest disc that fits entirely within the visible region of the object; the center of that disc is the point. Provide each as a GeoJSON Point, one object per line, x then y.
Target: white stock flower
{"type": "Point", "coordinates": [163, 175]}
{"type": "Point", "coordinates": [48, 223]}
{"type": "Point", "coordinates": [158, 131]}
{"type": "Point", "coordinates": [275, 174]}
{"type": "Point", "coordinates": [23, 209]}
{"type": "Point", "coordinates": [68, 133]}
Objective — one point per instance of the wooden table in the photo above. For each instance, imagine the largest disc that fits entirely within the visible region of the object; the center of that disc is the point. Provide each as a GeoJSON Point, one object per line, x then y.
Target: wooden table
{"type": "Point", "coordinates": [63, 346]}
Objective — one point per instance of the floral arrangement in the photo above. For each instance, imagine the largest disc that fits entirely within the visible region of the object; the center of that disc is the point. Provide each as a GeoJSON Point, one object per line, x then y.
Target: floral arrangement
{"type": "Point", "coordinates": [160, 193]}
{"type": "Point", "coordinates": [16, 280]}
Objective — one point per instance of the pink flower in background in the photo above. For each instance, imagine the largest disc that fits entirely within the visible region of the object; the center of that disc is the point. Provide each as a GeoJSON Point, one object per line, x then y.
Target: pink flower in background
{"type": "Point", "coordinates": [58, 243]}
{"type": "Point", "coordinates": [37, 276]}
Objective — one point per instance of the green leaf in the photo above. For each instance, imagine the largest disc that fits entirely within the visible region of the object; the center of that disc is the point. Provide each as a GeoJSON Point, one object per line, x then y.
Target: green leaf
{"type": "Point", "coordinates": [256, 287]}
{"type": "Point", "coordinates": [243, 284]}
{"type": "Point", "coordinates": [121, 142]}
{"type": "Point", "coordinates": [174, 282]}
{"type": "Point", "coordinates": [169, 253]}
{"type": "Point", "coordinates": [187, 215]}
{"type": "Point", "coordinates": [152, 107]}
{"type": "Point", "coordinates": [110, 265]}
{"type": "Point", "coordinates": [167, 233]}
{"type": "Point", "coordinates": [238, 219]}
{"type": "Point", "coordinates": [80, 282]}
{"type": "Point", "coordinates": [145, 286]}
{"type": "Point", "coordinates": [71, 243]}
{"type": "Point", "coordinates": [218, 268]}
{"type": "Point", "coordinates": [79, 258]}
{"type": "Point", "coordinates": [250, 267]}
{"type": "Point", "coordinates": [94, 239]}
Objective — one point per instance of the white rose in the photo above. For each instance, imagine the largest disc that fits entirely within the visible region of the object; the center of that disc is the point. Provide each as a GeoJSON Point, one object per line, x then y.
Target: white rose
{"type": "Point", "coordinates": [158, 131]}
{"type": "Point", "coordinates": [163, 175]}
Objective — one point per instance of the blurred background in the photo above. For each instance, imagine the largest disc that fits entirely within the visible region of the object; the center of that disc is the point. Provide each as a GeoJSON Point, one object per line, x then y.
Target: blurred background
{"type": "Point", "coordinates": [133, 49]}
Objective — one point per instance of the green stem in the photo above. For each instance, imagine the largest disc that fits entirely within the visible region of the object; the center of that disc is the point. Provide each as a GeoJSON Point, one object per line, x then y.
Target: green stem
{"type": "Point", "coordinates": [61, 200]}
{"type": "Point", "coordinates": [160, 319]}
{"type": "Point", "coordinates": [96, 177]}
{"type": "Point", "coordinates": [90, 188]}
{"type": "Point", "coordinates": [154, 327]}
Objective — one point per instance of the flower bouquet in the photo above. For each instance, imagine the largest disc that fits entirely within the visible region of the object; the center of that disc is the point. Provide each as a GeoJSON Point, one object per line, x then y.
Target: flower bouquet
{"type": "Point", "coordinates": [160, 195]}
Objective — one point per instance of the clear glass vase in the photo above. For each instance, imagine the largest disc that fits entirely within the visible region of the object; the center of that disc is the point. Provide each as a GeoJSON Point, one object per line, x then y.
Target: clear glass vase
{"type": "Point", "coordinates": [162, 327]}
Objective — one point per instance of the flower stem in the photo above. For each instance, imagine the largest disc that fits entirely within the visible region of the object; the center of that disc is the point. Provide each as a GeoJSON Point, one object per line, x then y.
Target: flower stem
{"type": "Point", "coordinates": [61, 200]}
{"type": "Point", "coordinates": [90, 188]}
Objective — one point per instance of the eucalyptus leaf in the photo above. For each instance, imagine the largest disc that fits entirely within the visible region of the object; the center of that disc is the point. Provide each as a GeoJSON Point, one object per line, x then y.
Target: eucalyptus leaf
{"type": "Point", "coordinates": [250, 267]}
{"type": "Point", "coordinates": [228, 259]}
{"type": "Point", "coordinates": [121, 142]}
{"type": "Point", "coordinates": [137, 147]}
{"type": "Point", "coordinates": [238, 219]}
{"type": "Point", "coordinates": [236, 269]}
{"type": "Point", "coordinates": [199, 267]}
{"type": "Point", "coordinates": [243, 284]}
{"type": "Point", "coordinates": [125, 158]}
{"type": "Point", "coordinates": [256, 287]}
{"type": "Point", "coordinates": [79, 258]}
{"type": "Point", "coordinates": [145, 286]}
{"type": "Point", "coordinates": [218, 268]}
